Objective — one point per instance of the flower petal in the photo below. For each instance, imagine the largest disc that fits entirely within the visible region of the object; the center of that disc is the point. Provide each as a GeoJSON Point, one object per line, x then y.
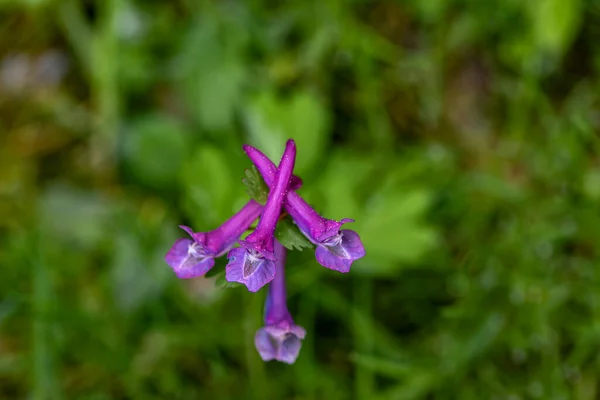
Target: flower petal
{"type": "Point", "coordinates": [290, 348]}
{"type": "Point", "coordinates": [332, 261]}
{"type": "Point", "coordinates": [352, 244]}
{"type": "Point", "coordinates": [265, 344]}
{"type": "Point", "coordinates": [340, 255]}
{"type": "Point", "coordinates": [187, 262]}
{"type": "Point", "coordinates": [187, 229]}
{"type": "Point", "coordinates": [249, 268]}
{"type": "Point", "coordinates": [275, 343]}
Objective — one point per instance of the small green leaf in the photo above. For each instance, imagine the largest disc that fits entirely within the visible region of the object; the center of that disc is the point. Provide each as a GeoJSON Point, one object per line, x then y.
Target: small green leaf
{"type": "Point", "coordinates": [289, 236]}
{"type": "Point", "coordinates": [255, 186]}
{"type": "Point", "coordinates": [224, 283]}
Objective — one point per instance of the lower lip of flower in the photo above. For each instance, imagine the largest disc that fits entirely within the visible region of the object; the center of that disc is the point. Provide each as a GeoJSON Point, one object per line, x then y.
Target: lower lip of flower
{"type": "Point", "coordinates": [254, 259]}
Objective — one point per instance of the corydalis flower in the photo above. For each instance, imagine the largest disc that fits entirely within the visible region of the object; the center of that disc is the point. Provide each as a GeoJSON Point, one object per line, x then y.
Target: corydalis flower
{"type": "Point", "coordinates": [336, 249]}
{"type": "Point", "coordinates": [253, 263]}
{"type": "Point", "coordinates": [280, 339]}
{"type": "Point", "coordinates": [194, 257]}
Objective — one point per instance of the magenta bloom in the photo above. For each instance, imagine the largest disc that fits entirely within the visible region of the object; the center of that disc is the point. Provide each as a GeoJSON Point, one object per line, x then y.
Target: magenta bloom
{"type": "Point", "coordinates": [280, 339]}
{"type": "Point", "coordinates": [336, 248]}
{"type": "Point", "coordinates": [194, 257]}
{"type": "Point", "coordinates": [253, 263]}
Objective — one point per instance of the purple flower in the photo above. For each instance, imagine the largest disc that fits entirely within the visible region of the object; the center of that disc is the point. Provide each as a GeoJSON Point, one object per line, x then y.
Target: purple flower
{"type": "Point", "coordinates": [194, 257]}
{"type": "Point", "coordinates": [336, 249]}
{"type": "Point", "coordinates": [253, 263]}
{"type": "Point", "coordinates": [280, 339]}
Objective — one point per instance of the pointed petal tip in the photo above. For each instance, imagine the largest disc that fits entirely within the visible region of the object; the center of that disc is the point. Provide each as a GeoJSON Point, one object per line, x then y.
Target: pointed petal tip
{"type": "Point", "coordinates": [187, 229]}
{"type": "Point", "coordinates": [251, 150]}
{"type": "Point", "coordinates": [290, 147]}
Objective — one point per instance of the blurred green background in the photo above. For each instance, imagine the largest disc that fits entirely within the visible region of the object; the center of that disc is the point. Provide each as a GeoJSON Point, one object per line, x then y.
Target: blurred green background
{"type": "Point", "coordinates": [462, 136]}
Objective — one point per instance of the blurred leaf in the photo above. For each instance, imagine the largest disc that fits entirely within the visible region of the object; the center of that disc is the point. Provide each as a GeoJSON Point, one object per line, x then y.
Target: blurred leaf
{"type": "Point", "coordinates": [137, 276]}
{"type": "Point", "coordinates": [211, 72]}
{"type": "Point", "coordinates": [7, 307]}
{"type": "Point", "coordinates": [303, 117]}
{"type": "Point", "coordinates": [288, 234]}
{"type": "Point", "coordinates": [29, 3]}
{"type": "Point", "coordinates": [591, 184]}
{"type": "Point", "coordinates": [556, 23]}
{"type": "Point", "coordinates": [382, 366]}
{"type": "Point", "coordinates": [255, 186]}
{"type": "Point", "coordinates": [208, 187]}
{"type": "Point", "coordinates": [343, 182]}
{"type": "Point", "coordinates": [154, 148]}
{"type": "Point", "coordinates": [392, 230]}
{"type": "Point", "coordinates": [214, 93]}
{"type": "Point", "coordinates": [74, 216]}
{"type": "Point", "coordinates": [390, 223]}
{"type": "Point", "coordinates": [461, 350]}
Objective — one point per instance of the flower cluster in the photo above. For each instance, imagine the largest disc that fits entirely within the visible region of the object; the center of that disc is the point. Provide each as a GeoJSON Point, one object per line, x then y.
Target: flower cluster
{"type": "Point", "coordinates": [260, 259]}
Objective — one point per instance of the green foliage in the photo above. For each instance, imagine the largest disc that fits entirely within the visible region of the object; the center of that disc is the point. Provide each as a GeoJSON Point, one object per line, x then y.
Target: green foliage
{"type": "Point", "coordinates": [462, 136]}
{"type": "Point", "coordinates": [146, 139]}
{"type": "Point", "coordinates": [288, 235]}
{"type": "Point", "coordinates": [208, 180]}
{"type": "Point", "coordinates": [255, 186]}
{"type": "Point", "coordinates": [272, 120]}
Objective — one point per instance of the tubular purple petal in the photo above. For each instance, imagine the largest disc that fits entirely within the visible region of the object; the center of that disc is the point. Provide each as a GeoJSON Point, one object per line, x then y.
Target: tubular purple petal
{"type": "Point", "coordinates": [259, 245]}
{"type": "Point", "coordinates": [224, 237]}
{"type": "Point", "coordinates": [193, 258]}
{"type": "Point", "coordinates": [336, 249]}
{"type": "Point", "coordinates": [280, 339]}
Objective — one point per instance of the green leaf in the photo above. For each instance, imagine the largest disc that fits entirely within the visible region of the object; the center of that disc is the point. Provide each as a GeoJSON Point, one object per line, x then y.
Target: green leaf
{"type": "Point", "coordinates": [391, 227]}
{"type": "Point", "coordinates": [556, 22]}
{"type": "Point", "coordinates": [289, 236]}
{"type": "Point", "coordinates": [60, 203]}
{"type": "Point", "coordinates": [154, 147]}
{"type": "Point", "coordinates": [137, 276]}
{"type": "Point", "coordinates": [255, 186]}
{"type": "Point", "coordinates": [224, 283]}
{"type": "Point", "coordinates": [303, 117]}
{"type": "Point", "coordinates": [209, 187]}
{"type": "Point", "coordinates": [211, 72]}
